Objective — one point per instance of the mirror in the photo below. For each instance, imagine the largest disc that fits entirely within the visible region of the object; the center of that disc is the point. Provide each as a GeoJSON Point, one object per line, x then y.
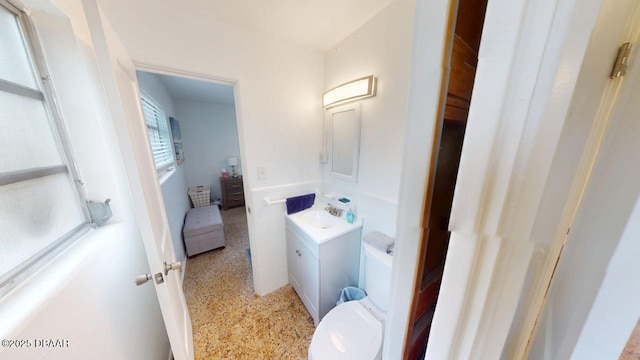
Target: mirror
{"type": "Point", "coordinates": [345, 142]}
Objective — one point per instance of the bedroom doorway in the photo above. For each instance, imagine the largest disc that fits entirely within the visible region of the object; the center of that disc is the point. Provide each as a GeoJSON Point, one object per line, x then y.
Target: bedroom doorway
{"type": "Point", "coordinates": [218, 284]}
{"type": "Point", "coordinates": [205, 142]}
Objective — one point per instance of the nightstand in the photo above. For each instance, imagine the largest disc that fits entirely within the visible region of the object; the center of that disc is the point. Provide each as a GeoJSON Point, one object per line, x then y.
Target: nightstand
{"type": "Point", "coordinates": [232, 192]}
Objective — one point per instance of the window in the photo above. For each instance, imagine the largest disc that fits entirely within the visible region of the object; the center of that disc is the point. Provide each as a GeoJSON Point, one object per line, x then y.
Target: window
{"type": "Point", "coordinates": [41, 203]}
{"type": "Point", "coordinates": [158, 131]}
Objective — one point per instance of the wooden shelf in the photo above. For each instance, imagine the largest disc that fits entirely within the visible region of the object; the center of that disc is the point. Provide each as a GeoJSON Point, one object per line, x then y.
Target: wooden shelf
{"type": "Point", "coordinates": [420, 334]}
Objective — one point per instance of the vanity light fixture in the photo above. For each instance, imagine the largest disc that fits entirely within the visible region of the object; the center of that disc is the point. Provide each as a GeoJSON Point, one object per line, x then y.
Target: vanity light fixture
{"type": "Point", "coordinates": [353, 90]}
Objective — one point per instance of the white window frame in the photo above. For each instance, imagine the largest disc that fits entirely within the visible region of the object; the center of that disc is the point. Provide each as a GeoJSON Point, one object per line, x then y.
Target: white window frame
{"type": "Point", "coordinates": [46, 94]}
{"type": "Point", "coordinates": [163, 129]}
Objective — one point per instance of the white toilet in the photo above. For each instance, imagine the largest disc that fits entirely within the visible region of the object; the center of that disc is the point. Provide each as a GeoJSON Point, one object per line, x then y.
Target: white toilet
{"type": "Point", "coordinates": [354, 329]}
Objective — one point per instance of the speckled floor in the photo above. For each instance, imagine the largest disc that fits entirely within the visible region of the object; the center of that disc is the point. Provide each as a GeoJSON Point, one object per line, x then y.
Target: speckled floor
{"type": "Point", "coordinates": [632, 349]}
{"type": "Point", "coordinates": [229, 320]}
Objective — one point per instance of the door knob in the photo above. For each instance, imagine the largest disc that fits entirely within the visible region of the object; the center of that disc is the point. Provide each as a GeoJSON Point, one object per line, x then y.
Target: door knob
{"type": "Point", "coordinates": [142, 279]}
{"type": "Point", "coordinates": [173, 266]}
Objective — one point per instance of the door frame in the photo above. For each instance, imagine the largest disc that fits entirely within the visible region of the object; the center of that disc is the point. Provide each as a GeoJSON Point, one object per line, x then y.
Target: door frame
{"type": "Point", "coordinates": [163, 70]}
{"type": "Point", "coordinates": [512, 135]}
{"type": "Point", "coordinates": [447, 54]}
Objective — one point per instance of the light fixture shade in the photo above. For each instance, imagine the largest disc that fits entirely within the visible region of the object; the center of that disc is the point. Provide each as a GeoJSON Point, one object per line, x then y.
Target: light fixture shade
{"type": "Point", "coordinates": [232, 161]}
{"type": "Point", "coordinates": [353, 90]}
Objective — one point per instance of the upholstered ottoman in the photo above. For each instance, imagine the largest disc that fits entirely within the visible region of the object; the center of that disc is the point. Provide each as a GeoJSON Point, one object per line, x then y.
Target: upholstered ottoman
{"type": "Point", "coordinates": [203, 230]}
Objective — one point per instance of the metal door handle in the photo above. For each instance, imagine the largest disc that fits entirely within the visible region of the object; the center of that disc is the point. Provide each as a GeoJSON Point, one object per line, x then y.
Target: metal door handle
{"type": "Point", "coordinates": [173, 266]}
{"type": "Point", "coordinates": [142, 279]}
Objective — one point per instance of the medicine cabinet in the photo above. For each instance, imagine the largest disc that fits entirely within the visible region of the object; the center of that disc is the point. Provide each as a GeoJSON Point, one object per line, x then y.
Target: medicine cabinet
{"type": "Point", "coordinates": [345, 142]}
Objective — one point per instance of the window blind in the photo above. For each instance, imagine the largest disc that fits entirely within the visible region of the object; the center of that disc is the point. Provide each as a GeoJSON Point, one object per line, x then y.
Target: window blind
{"type": "Point", "coordinates": [158, 131]}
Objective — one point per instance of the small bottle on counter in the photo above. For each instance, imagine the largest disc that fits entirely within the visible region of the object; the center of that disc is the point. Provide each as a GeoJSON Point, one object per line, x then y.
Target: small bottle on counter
{"type": "Point", "coordinates": [351, 216]}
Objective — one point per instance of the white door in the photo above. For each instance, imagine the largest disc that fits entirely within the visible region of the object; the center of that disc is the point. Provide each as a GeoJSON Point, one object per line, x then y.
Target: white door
{"type": "Point", "coordinates": [578, 258]}
{"type": "Point", "coordinates": [119, 79]}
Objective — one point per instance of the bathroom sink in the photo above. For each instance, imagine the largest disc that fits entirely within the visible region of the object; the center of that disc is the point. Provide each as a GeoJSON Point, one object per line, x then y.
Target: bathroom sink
{"type": "Point", "coordinates": [319, 226]}
{"type": "Point", "coordinates": [320, 219]}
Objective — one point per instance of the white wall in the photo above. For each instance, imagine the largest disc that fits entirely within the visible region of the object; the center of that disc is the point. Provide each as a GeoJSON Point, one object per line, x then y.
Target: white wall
{"type": "Point", "coordinates": [278, 87]}
{"type": "Point", "coordinates": [209, 136]}
{"type": "Point", "coordinates": [174, 183]}
{"type": "Point", "coordinates": [381, 47]}
{"type": "Point", "coordinates": [87, 294]}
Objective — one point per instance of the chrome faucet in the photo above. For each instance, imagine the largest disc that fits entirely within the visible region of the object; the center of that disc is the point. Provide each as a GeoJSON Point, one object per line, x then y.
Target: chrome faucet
{"type": "Point", "coordinates": [334, 210]}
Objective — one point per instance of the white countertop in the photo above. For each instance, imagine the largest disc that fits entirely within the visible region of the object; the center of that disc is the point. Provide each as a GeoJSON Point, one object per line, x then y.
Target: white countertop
{"type": "Point", "coordinates": [321, 235]}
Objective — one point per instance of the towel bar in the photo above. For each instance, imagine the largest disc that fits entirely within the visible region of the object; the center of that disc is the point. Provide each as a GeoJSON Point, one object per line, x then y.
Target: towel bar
{"type": "Point", "coordinates": [268, 201]}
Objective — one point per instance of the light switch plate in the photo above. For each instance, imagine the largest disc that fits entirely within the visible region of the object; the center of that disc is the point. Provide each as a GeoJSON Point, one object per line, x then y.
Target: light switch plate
{"type": "Point", "coordinates": [262, 173]}
{"type": "Point", "coordinates": [324, 157]}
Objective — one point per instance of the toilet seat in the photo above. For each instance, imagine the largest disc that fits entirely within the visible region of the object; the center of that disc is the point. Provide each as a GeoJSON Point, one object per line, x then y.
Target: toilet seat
{"type": "Point", "coordinates": [348, 331]}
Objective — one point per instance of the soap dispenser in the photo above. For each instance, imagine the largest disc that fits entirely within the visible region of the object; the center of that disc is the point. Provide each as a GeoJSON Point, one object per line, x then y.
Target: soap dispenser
{"type": "Point", "coordinates": [351, 215]}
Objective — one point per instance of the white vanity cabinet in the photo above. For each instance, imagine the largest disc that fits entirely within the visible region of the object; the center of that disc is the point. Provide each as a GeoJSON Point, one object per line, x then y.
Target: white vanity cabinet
{"type": "Point", "coordinates": [304, 272]}
{"type": "Point", "coordinates": [319, 268]}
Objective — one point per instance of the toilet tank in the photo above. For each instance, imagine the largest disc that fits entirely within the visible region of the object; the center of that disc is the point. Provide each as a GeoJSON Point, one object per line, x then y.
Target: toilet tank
{"type": "Point", "coordinates": [377, 276]}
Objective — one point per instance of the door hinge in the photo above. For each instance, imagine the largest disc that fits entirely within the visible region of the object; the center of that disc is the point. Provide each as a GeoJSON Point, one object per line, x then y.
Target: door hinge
{"type": "Point", "coordinates": [620, 66]}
